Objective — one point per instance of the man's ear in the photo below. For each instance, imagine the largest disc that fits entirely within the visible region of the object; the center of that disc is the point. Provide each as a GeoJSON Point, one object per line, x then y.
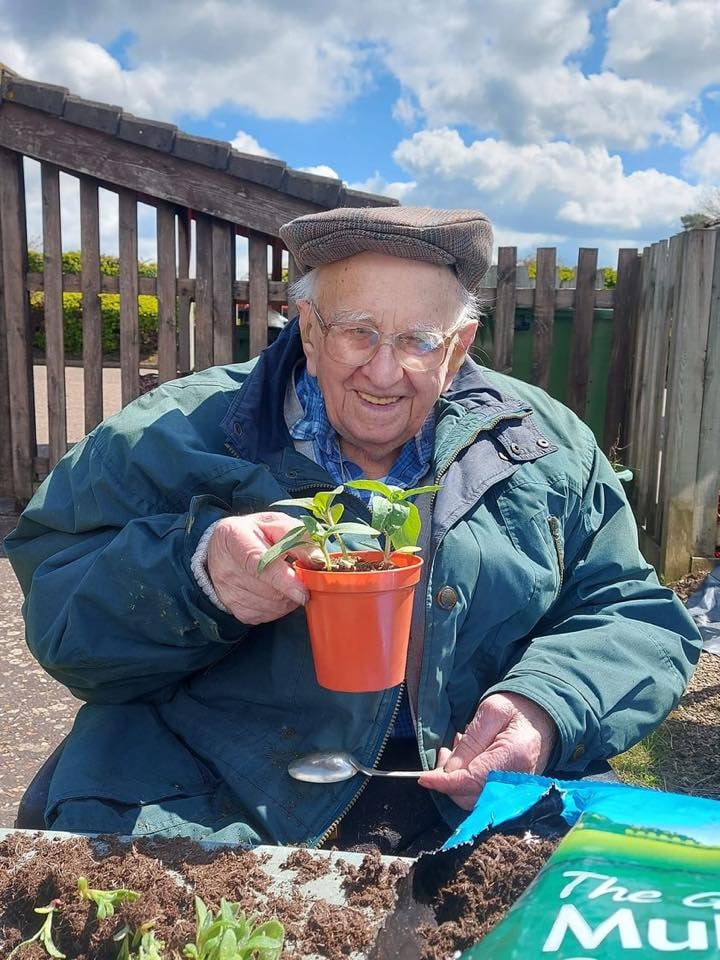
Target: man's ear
{"type": "Point", "coordinates": [458, 351]}
{"type": "Point", "coordinates": [307, 325]}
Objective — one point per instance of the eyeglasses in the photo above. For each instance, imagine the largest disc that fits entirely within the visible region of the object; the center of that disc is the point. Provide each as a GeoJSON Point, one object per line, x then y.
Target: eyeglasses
{"type": "Point", "coordinates": [355, 344]}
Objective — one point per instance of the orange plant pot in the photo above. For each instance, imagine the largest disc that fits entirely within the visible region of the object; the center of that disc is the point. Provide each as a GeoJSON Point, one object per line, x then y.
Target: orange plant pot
{"type": "Point", "coordinates": [359, 623]}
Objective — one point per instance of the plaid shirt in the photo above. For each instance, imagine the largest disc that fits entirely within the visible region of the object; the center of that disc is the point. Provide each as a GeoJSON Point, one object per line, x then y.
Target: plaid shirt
{"type": "Point", "coordinates": [408, 470]}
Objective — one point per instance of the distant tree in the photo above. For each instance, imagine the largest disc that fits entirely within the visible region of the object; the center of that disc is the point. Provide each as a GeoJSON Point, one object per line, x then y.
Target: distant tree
{"type": "Point", "coordinates": [708, 213]}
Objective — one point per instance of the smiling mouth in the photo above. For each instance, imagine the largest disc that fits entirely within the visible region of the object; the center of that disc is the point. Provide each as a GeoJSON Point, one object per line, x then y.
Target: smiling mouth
{"type": "Point", "coordinates": [378, 401]}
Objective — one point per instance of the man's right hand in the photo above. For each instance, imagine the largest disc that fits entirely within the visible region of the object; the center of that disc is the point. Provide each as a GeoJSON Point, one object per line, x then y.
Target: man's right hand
{"type": "Point", "coordinates": [236, 545]}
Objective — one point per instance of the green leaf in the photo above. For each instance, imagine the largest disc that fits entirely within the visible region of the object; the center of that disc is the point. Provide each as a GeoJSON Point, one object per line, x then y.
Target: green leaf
{"type": "Point", "coordinates": [377, 486]}
{"type": "Point", "coordinates": [407, 549]}
{"type": "Point", "coordinates": [293, 538]}
{"type": "Point", "coordinates": [313, 526]}
{"type": "Point", "coordinates": [354, 529]}
{"type": "Point", "coordinates": [415, 491]}
{"type": "Point", "coordinates": [336, 512]}
{"type": "Point", "coordinates": [306, 503]}
{"type": "Point", "coordinates": [407, 534]}
{"type": "Point", "coordinates": [228, 946]}
{"type": "Point", "coordinates": [387, 516]}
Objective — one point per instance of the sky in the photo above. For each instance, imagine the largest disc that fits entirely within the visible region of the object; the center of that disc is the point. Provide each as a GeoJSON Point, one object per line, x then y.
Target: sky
{"type": "Point", "coordinates": [570, 123]}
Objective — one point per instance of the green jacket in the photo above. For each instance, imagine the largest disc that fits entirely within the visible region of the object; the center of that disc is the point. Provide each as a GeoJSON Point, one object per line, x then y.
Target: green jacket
{"type": "Point", "coordinates": [533, 584]}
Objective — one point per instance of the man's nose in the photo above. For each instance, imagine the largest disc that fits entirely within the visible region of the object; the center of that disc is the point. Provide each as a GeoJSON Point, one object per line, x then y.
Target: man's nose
{"type": "Point", "coordinates": [384, 369]}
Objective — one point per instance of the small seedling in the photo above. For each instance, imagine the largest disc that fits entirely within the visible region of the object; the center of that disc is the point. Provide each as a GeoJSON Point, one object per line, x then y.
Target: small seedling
{"type": "Point", "coordinates": [140, 944]}
{"type": "Point", "coordinates": [394, 515]}
{"type": "Point", "coordinates": [232, 935]}
{"type": "Point", "coordinates": [319, 528]}
{"type": "Point", "coordinates": [105, 900]}
{"type": "Point", "coordinates": [44, 934]}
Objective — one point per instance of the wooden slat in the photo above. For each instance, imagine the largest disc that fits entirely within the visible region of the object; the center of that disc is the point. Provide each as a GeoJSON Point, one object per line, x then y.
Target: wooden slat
{"type": "Point", "coordinates": [277, 252]}
{"type": "Point", "coordinates": [128, 288]}
{"type": "Point", "coordinates": [17, 322]}
{"type": "Point", "coordinates": [705, 528]}
{"type": "Point", "coordinates": [624, 319]}
{"type": "Point", "coordinates": [684, 402]}
{"type": "Point", "coordinates": [203, 293]}
{"type": "Point", "coordinates": [91, 315]}
{"type": "Point", "coordinates": [117, 162]}
{"type": "Point", "coordinates": [223, 263]}
{"type": "Point", "coordinates": [167, 322]}
{"type": "Point", "coordinates": [504, 331]}
{"type": "Point", "coordinates": [184, 297]}
{"type": "Point", "coordinates": [258, 272]}
{"type": "Point", "coordinates": [636, 387]}
{"type": "Point", "coordinates": [645, 398]}
{"type": "Point", "coordinates": [582, 325]}
{"type": "Point", "coordinates": [662, 318]}
{"type": "Point", "coordinates": [293, 274]}
{"type": "Point", "coordinates": [7, 486]}
{"type": "Point", "coordinates": [54, 334]}
{"type": "Point", "coordinates": [544, 317]}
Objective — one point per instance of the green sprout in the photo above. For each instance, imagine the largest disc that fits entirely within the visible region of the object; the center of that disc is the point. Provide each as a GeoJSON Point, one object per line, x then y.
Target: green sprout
{"type": "Point", "coordinates": [319, 527]}
{"type": "Point", "coordinates": [394, 515]}
{"type": "Point", "coordinates": [44, 934]}
{"type": "Point", "coordinates": [232, 935]}
{"type": "Point", "coordinates": [105, 900]}
{"type": "Point", "coordinates": [140, 944]}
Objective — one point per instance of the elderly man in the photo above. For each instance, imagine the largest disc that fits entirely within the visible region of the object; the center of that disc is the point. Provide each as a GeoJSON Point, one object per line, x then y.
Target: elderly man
{"type": "Point", "coordinates": [540, 640]}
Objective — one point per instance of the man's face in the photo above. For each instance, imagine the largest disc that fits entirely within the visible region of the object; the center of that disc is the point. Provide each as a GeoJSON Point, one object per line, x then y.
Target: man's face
{"type": "Point", "coordinates": [375, 408]}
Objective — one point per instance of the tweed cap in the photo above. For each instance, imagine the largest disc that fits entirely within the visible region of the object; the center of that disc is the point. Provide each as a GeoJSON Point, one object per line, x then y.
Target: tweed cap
{"type": "Point", "coordinates": [461, 239]}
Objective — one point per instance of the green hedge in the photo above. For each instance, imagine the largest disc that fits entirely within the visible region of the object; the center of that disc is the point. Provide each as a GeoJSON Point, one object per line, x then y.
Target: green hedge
{"type": "Point", "coordinates": [110, 311]}
{"type": "Point", "coordinates": [72, 263]}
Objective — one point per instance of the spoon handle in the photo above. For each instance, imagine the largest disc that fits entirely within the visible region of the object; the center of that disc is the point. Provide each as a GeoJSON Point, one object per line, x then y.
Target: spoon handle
{"type": "Point", "coordinates": [370, 772]}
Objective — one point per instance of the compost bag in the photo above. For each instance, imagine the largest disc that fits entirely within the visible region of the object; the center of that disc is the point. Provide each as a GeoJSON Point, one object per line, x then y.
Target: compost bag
{"type": "Point", "coordinates": [637, 876]}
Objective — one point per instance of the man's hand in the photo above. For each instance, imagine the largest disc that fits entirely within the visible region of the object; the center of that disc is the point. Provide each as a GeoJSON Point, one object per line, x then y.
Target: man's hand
{"type": "Point", "coordinates": [236, 545]}
{"type": "Point", "coordinates": [508, 732]}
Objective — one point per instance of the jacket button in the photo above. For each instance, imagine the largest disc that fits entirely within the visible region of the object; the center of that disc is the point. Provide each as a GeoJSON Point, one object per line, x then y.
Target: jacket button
{"type": "Point", "coordinates": [515, 447]}
{"type": "Point", "coordinates": [578, 752]}
{"type": "Point", "coordinates": [446, 598]}
{"type": "Point", "coordinates": [542, 442]}
{"type": "Point", "coordinates": [237, 427]}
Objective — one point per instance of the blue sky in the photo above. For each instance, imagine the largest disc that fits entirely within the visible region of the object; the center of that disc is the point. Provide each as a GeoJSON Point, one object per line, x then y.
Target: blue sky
{"type": "Point", "coordinates": [570, 122]}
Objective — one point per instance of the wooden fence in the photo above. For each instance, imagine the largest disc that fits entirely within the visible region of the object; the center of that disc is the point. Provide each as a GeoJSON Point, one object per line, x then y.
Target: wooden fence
{"type": "Point", "coordinates": [662, 373]}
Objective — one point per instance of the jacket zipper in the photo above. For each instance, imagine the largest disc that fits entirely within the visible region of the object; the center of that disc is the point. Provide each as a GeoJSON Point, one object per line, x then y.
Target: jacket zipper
{"type": "Point", "coordinates": [483, 429]}
{"type": "Point", "coordinates": [363, 786]}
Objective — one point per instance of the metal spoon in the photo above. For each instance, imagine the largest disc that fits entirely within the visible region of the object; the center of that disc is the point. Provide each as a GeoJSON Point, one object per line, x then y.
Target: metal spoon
{"type": "Point", "coordinates": [333, 767]}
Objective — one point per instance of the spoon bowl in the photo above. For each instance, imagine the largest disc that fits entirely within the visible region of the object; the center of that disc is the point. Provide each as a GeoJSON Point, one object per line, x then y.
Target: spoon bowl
{"type": "Point", "coordinates": [337, 765]}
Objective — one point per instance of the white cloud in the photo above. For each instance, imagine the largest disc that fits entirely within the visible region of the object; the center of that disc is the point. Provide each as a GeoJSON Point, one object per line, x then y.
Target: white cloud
{"type": "Point", "coordinates": [246, 143]}
{"type": "Point", "coordinates": [399, 190]}
{"type": "Point", "coordinates": [564, 182]}
{"type": "Point", "coordinates": [672, 43]}
{"type": "Point", "coordinates": [322, 170]}
{"type": "Point", "coordinates": [405, 111]}
{"type": "Point", "coordinates": [705, 162]}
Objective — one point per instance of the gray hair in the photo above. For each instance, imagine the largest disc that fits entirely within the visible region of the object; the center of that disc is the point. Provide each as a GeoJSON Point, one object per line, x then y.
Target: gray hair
{"type": "Point", "coordinates": [305, 287]}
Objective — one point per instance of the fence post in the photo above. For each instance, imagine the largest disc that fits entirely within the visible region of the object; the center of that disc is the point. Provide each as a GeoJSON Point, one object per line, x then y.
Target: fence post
{"type": "Point", "coordinates": [7, 488]}
{"type": "Point", "coordinates": [705, 528]}
{"type": "Point", "coordinates": [625, 300]}
{"type": "Point", "coordinates": [223, 253]}
{"type": "Point", "coordinates": [258, 287]}
{"type": "Point", "coordinates": [16, 306]}
{"type": "Point", "coordinates": [91, 314]}
{"type": "Point", "coordinates": [166, 293]}
{"type": "Point", "coordinates": [54, 333]}
{"type": "Point", "coordinates": [544, 317]}
{"type": "Point", "coordinates": [128, 287]}
{"type": "Point", "coordinates": [504, 332]}
{"type": "Point", "coordinates": [689, 339]}
{"type": "Point", "coordinates": [582, 327]}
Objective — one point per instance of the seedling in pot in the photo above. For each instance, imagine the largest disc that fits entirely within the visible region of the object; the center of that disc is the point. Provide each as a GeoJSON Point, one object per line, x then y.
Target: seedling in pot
{"type": "Point", "coordinates": [319, 528]}
{"type": "Point", "coordinates": [105, 900]}
{"type": "Point", "coordinates": [233, 935]}
{"type": "Point", "coordinates": [44, 934]}
{"type": "Point", "coordinates": [394, 514]}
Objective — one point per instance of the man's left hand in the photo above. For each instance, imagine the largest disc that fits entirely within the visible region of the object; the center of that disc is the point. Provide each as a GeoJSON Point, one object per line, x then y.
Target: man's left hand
{"type": "Point", "coordinates": [508, 732]}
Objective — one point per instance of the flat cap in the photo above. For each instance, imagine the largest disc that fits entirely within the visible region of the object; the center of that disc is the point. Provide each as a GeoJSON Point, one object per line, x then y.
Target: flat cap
{"type": "Point", "coordinates": [461, 239]}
